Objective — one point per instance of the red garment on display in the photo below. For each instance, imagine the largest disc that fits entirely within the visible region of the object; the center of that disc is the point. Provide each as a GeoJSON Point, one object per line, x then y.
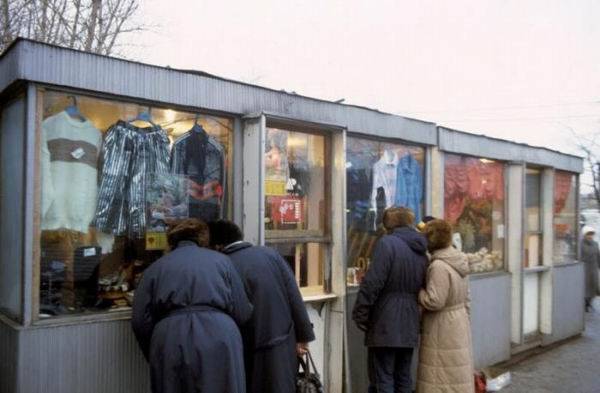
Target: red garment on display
{"type": "Point", "coordinates": [562, 189]}
{"type": "Point", "coordinates": [470, 178]}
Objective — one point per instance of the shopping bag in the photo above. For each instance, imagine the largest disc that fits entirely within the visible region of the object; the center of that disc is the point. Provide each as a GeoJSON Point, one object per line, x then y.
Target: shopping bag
{"type": "Point", "coordinates": [308, 381]}
{"type": "Point", "coordinates": [480, 386]}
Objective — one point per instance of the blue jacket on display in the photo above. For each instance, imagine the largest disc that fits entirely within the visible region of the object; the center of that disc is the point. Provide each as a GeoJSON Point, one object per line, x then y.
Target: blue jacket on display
{"type": "Point", "coordinates": [409, 185]}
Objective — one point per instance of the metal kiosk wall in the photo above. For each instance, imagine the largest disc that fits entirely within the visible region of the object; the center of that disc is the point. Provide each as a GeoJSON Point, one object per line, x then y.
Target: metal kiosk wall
{"type": "Point", "coordinates": [320, 209]}
{"type": "Point", "coordinates": [521, 304]}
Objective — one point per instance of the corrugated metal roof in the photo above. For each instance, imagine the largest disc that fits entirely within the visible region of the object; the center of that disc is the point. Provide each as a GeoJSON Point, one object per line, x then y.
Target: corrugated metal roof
{"type": "Point", "coordinates": [49, 64]}
{"type": "Point", "coordinates": [66, 67]}
{"type": "Point", "coordinates": [460, 142]}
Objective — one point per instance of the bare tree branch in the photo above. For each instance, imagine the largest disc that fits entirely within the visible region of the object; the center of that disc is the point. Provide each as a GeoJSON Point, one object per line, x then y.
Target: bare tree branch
{"type": "Point", "coordinates": [590, 147]}
{"type": "Point", "coordinates": [92, 25]}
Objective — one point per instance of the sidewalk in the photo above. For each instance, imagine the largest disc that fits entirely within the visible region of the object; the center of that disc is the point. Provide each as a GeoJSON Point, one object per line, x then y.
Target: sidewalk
{"type": "Point", "coordinates": [573, 367]}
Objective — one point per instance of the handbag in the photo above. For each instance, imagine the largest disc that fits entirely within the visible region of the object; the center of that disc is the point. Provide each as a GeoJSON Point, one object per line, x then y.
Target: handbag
{"type": "Point", "coordinates": [308, 381]}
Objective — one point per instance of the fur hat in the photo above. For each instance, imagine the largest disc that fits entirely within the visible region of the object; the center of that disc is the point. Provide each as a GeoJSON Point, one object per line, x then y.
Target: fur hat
{"type": "Point", "coordinates": [396, 217]}
{"type": "Point", "coordinates": [190, 229]}
{"type": "Point", "coordinates": [439, 235]}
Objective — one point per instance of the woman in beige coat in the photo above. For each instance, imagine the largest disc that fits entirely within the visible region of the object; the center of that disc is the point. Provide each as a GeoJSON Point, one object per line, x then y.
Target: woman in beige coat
{"type": "Point", "coordinates": [445, 358]}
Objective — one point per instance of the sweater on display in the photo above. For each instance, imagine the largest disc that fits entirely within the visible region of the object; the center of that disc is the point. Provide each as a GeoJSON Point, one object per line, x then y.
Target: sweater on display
{"type": "Point", "coordinates": [69, 162]}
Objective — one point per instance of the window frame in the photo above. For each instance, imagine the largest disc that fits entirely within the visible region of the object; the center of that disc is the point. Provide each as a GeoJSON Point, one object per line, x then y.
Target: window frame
{"type": "Point", "coordinates": [39, 89]}
{"type": "Point", "coordinates": [576, 223]}
{"type": "Point", "coordinates": [426, 189]}
{"type": "Point", "coordinates": [305, 236]}
{"type": "Point", "coordinates": [505, 212]}
{"type": "Point", "coordinates": [19, 92]}
{"type": "Point", "coordinates": [540, 232]}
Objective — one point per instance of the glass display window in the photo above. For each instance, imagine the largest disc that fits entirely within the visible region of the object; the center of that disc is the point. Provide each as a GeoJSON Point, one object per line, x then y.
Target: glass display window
{"type": "Point", "coordinates": [379, 175]}
{"type": "Point", "coordinates": [474, 203]}
{"type": "Point", "coordinates": [113, 176]}
{"type": "Point", "coordinates": [533, 218]}
{"type": "Point", "coordinates": [565, 217]}
{"type": "Point", "coordinates": [308, 262]}
{"type": "Point", "coordinates": [297, 207]}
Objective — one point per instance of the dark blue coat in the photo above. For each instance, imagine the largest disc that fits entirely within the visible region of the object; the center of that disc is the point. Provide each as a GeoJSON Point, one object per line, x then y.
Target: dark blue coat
{"type": "Point", "coordinates": [387, 303]}
{"type": "Point", "coordinates": [278, 322]}
{"type": "Point", "coordinates": [185, 316]}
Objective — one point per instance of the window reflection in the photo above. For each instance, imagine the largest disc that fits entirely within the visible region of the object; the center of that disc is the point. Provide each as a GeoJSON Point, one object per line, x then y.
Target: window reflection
{"type": "Point", "coordinates": [114, 175]}
{"type": "Point", "coordinates": [474, 201]}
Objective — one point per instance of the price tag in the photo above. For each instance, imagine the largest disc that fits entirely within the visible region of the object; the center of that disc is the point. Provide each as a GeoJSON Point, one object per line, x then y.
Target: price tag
{"type": "Point", "coordinates": [89, 252]}
{"type": "Point", "coordinates": [78, 153]}
{"type": "Point", "coordinates": [275, 188]}
{"type": "Point", "coordinates": [156, 241]}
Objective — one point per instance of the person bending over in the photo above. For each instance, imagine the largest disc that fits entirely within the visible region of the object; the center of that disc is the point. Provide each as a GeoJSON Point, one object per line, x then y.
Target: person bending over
{"type": "Point", "coordinates": [280, 329]}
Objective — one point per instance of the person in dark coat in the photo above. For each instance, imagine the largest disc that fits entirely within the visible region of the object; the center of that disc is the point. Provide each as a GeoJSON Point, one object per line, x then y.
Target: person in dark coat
{"type": "Point", "coordinates": [186, 313]}
{"type": "Point", "coordinates": [387, 306]}
{"type": "Point", "coordinates": [280, 328]}
{"type": "Point", "coordinates": [590, 255]}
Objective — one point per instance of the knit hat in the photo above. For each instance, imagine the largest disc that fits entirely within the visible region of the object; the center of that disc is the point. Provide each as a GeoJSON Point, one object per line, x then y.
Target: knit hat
{"type": "Point", "coordinates": [587, 229]}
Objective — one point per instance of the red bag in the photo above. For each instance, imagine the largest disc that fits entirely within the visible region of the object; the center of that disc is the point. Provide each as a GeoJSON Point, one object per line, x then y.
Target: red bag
{"type": "Point", "coordinates": [480, 385]}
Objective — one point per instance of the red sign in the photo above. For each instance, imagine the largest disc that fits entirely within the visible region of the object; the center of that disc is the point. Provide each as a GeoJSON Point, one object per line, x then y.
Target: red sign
{"type": "Point", "coordinates": [286, 210]}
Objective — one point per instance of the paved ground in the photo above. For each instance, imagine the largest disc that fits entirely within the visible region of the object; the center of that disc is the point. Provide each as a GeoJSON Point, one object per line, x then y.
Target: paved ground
{"type": "Point", "coordinates": [572, 368]}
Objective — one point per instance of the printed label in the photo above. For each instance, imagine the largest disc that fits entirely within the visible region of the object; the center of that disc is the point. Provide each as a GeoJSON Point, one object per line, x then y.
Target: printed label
{"type": "Point", "coordinates": [89, 252]}
{"type": "Point", "coordinates": [156, 241]}
{"type": "Point", "coordinates": [78, 153]}
{"type": "Point", "coordinates": [275, 188]}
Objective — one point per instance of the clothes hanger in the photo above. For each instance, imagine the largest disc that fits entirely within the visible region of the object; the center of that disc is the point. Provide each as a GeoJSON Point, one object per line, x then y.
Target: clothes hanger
{"type": "Point", "coordinates": [73, 110]}
{"type": "Point", "coordinates": [144, 116]}
{"type": "Point", "coordinates": [197, 128]}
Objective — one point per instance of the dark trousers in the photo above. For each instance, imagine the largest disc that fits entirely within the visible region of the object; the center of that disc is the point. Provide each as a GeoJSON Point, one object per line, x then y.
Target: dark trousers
{"type": "Point", "coordinates": [390, 370]}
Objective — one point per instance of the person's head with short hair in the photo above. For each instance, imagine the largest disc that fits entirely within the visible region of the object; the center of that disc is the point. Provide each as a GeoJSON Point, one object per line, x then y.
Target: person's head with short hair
{"type": "Point", "coordinates": [190, 229]}
{"type": "Point", "coordinates": [439, 235]}
{"type": "Point", "coordinates": [398, 217]}
{"type": "Point", "coordinates": [224, 233]}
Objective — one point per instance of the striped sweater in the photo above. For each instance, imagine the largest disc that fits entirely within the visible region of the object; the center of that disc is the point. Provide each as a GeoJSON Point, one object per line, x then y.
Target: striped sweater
{"type": "Point", "coordinates": [69, 162]}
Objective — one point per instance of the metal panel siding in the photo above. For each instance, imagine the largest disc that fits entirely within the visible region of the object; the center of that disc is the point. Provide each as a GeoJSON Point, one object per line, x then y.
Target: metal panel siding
{"type": "Point", "coordinates": [52, 65]}
{"type": "Point", "coordinates": [490, 319]}
{"type": "Point", "coordinates": [356, 352]}
{"type": "Point", "coordinates": [567, 302]}
{"type": "Point", "coordinates": [481, 146]}
{"type": "Point", "coordinates": [9, 69]}
{"type": "Point", "coordinates": [12, 125]}
{"type": "Point", "coordinates": [92, 358]}
{"type": "Point", "coordinates": [8, 358]}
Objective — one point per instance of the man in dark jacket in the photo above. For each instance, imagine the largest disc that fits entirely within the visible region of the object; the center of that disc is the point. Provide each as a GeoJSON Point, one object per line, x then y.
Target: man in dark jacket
{"type": "Point", "coordinates": [387, 308]}
{"type": "Point", "coordinates": [590, 255]}
{"type": "Point", "coordinates": [280, 328]}
{"type": "Point", "coordinates": [185, 315]}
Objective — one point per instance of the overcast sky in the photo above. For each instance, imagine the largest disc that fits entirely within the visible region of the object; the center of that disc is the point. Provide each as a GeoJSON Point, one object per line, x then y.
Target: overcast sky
{"type": "Point", "coordinates": [524, 70]}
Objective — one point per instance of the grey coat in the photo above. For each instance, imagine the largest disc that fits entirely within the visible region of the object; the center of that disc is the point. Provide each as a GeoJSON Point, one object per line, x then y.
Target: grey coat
{"type": "Point", "coordinates": [278, 322]}
{"type": "Point", "coordinates": [590, 255]}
